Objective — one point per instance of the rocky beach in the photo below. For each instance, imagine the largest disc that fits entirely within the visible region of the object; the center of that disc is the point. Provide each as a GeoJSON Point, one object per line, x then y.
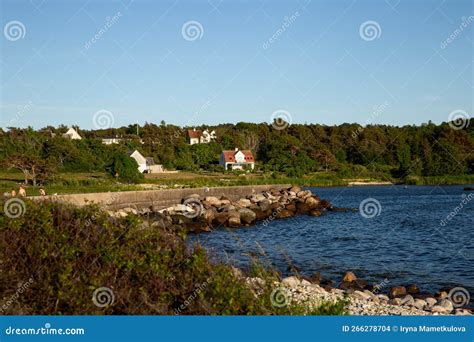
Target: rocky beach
{"type": "Point", "coordinates": [200, 215]}
{"type": "Point", "coordinates": [399, 300]}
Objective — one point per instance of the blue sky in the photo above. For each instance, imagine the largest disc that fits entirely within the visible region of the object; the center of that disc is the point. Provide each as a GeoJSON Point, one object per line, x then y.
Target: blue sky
{"type": "Point", "coordinates": [320, 67]}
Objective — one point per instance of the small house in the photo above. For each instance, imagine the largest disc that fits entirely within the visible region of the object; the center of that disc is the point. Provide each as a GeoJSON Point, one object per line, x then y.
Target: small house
{"type": "Point", "coordinates": [237, 160]}
{"type": "Point", "coordinates": [72, 134]}
{"type": "Point", "coordinates": [200, 137]}
{"type": "Point", "coordinates": [146, 164]}
{"type": "Point", "coordinates": [110, 141]}
{"type": "Point", "coordinates": [140, 159]}
{"type": "Point", "coordinates": [151, 167]}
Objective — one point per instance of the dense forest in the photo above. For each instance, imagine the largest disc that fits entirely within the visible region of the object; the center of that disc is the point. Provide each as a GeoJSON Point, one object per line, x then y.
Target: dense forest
{"type": "Point", "coordinates": [348, 149]}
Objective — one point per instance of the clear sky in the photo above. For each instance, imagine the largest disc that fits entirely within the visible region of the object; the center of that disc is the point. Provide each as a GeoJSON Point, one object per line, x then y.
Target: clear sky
{"type": "Point", "coordinates": [325, 62]}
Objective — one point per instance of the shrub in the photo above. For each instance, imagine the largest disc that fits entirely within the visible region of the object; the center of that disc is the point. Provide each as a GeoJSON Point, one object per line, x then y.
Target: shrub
{"type": "Point", "coordinates": [125, 168]}
{"type": "Point", "coordinates": [64, 254]}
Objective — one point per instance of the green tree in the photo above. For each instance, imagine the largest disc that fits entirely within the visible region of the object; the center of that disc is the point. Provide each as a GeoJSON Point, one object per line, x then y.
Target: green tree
{"type": "Point", "coordinates": [125, 169]}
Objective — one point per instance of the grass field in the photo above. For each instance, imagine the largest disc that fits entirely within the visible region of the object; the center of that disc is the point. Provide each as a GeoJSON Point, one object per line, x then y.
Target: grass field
{"type": "Point", "coordinates": [68, 183]}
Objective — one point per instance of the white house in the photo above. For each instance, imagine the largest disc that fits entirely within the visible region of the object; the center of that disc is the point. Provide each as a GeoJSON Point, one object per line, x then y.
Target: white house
{"type": "Point", "coordinates": [146, 165]}
{"type": "Point", "coordinates": [110, 141]}
{"type": "Point", "coordinates": [72, 134]}
{"type": "Point", "coordinates": [237, 160]}
{"type": "Point", "coordinates": [140, 159]}
{"type": "Point", "coordinates": [151, 167]}
{"type": "Point", "coordinates": [200, 137]}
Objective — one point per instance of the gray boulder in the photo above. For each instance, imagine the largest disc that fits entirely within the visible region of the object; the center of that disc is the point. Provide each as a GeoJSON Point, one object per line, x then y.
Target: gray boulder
{"type": "Point", "coordinates": [295, 189]}
{"type": "Point", "coordinates": [264, 204]}
{"type": "Point", "coordinates": [419, 304]}
{"type": "Point", "coordinates": [244, 203]}
{"type": "Point", "coordinates": [408, 300]}
{"type": "Point", "coordinates": [291, 281]}
{"type": "Point", "coordinates": [430, 301]}
{"type": "Point", "coordinates": [304, 194]}
{"type": "Point", "coordinates": [446, 303]}
{"type": "Point", "coordinates": [212, 200]}
{"type": "Point", "coordinates": [247, 215]}
{"type": "Point", "coordinates": [234, 219]}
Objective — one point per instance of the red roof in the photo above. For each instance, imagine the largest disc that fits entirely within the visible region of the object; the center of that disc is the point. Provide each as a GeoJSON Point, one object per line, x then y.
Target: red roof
{"type": "Point", "coordinates": [229, 156]}
{"type": "Point", "coordinates": [194, 134]}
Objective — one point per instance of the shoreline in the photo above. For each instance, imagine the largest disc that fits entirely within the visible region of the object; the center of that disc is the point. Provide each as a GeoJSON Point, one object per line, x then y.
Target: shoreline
{"type": "Point", "coordinates": [194, 212]}
{"type": "Point", "coordinates": [156, 187]}
{"type": "Point", "coordinates": [363, 302]}
{"type": "Point", "coordinates": [201, 215]}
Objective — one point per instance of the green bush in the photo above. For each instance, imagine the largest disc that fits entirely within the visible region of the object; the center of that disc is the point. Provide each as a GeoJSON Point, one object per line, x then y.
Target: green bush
{"type": "Point", "coordinates": [65, 253]}
{"type": "Point", "coordinates": [125, 169]}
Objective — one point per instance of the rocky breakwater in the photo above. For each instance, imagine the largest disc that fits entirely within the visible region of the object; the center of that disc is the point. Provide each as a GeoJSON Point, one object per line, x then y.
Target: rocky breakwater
{"type": "Point", "coordinates": [198, 214]}
{"type": "Point", "coordinates": [367, 299]}
{"type": "Point", "coordinates": [203, 214]}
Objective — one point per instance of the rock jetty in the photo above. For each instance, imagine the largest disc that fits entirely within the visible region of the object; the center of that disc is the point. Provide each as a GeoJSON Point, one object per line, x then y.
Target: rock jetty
{"type": "Point", "coordinates": [198, 214]}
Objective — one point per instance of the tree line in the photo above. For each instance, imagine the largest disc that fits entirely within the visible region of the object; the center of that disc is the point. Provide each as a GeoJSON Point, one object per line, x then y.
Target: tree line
{"type": "Point", "coordinates": [426, 150]}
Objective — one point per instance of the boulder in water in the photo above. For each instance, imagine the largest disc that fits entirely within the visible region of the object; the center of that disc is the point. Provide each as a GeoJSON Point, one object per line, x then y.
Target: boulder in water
{"type": "Point", "coordinates": [349, 277]}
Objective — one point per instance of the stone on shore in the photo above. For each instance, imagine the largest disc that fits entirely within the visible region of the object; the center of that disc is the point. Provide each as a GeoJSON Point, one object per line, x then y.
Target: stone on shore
{"type": "Point", "coordinates": [396, 301]}
{"type": "Point", "coordinates": [397, 291]}
{"type": "Point", "coordinates": [361, 295]}
{"type": "Point", "coordinates": [420, 304]}
{"type": "Point", "coordinates": [312, 202]}
{"type": "Point", "coordinates": [244, 203]}
{"type": "Point", "coordinates": [255, 198]}
{"type": "Point", "coordinates": [264, 204]}
{"type": "Point", "coordinates": [408, 300]}
{"type": "Point", "coordinates": [291, 281]}
{"type": "Point", "coordinates": [383, 297]}
{"type": "Point", "coordinates": [220, 218]}
{"type": "Point", "coordinates": [462, 312]}
{"type": "Point", "coordinates": [430, 301]}
{"type": "Point", "coordinates": [413, 289]}
{"type": "Point", "coordinates": [284, 213]}
{"type": "Point", "coordinates": [440, 309]}
{"type": "Point", "coordinates": [261, 215]}
{"type": "Point", "coordinates": [247, 215]}
{"type": "Point", "coordinates": [302, 208]}
{"type": "Point", "coordinates": [212, 200]}
{"type": "Point", "coordinates": [234, 219]}
{"type": "Point", "coordinates": [295, 189]}
{"type": "Point", "coordinates": [446, 303]}
{"type": "Point", "coordinates": [442, 294]}
{"type": "Point", "coordinates": [304, 194]}
{"type": "Point", "coordinates": [349, 277]}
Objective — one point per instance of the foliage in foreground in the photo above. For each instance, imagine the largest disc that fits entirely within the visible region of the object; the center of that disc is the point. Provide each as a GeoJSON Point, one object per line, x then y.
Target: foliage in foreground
{"type": "Point", "coordinates": [55, 256]}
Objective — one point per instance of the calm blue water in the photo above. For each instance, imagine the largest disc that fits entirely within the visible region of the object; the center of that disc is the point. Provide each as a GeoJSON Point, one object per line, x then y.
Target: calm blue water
{"type": "Point", "coordinates": [405, 244]}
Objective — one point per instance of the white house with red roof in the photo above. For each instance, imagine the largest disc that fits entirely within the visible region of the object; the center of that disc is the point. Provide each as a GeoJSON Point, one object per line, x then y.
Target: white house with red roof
{"type": "Point", "coordinates": [237, 159]}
